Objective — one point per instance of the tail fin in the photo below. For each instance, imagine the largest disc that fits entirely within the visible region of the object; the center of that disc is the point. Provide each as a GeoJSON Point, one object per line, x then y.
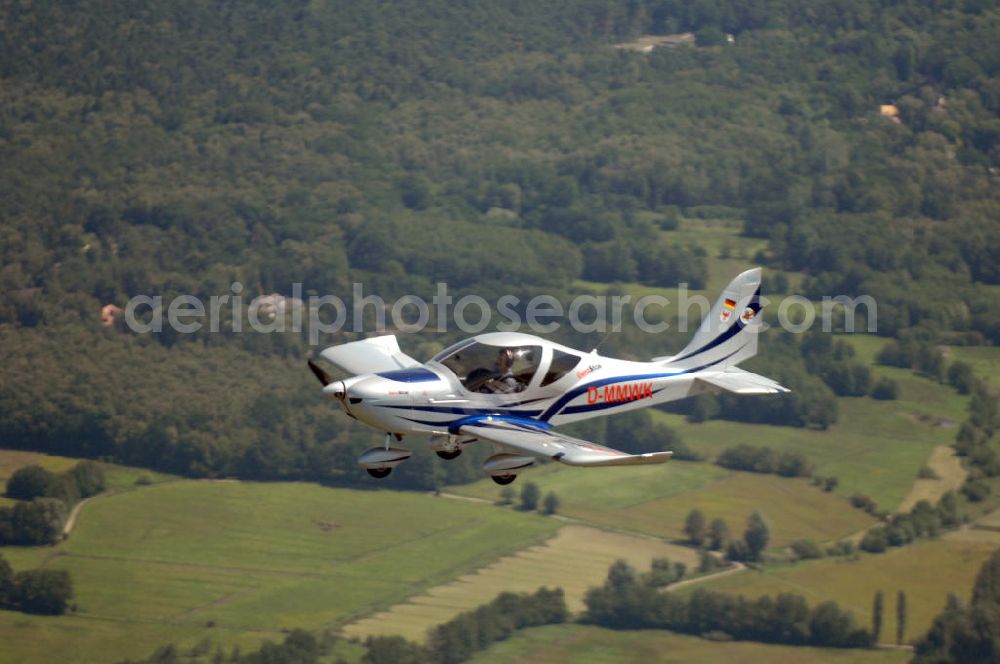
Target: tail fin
{"type": "Point", "coordinates": [728, 334]}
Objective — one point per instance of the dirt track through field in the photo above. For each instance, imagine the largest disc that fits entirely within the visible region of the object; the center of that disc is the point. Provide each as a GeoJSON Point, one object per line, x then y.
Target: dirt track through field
{"type": "Point", "coordinates": [71, 519]}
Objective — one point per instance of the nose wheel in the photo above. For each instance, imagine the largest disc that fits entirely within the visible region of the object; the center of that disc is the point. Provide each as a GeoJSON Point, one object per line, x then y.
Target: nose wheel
{"type": "Point", "coordinates": [379, 461]}
{"type": "Point", "coordinates": [448, 455]}
{"type": "Point", "coordinates": [503, 480]}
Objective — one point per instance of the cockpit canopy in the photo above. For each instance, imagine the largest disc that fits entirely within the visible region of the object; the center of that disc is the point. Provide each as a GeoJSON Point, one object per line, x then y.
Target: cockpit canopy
{"type": "Point", "coordinates": [492, 368]}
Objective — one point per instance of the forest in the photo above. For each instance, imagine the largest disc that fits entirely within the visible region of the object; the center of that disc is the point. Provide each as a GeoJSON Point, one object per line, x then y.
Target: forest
{"type": "Point", "coordinates": [177, 148]}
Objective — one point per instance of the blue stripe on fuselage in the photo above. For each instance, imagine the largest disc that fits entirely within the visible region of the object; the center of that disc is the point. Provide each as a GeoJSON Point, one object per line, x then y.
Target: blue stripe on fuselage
{"type": "Point", "coordinates": [456, 410]}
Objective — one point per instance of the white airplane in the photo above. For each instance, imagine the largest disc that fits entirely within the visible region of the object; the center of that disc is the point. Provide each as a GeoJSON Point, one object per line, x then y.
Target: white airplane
{"type": "Point", "coordinates": [512, 389]}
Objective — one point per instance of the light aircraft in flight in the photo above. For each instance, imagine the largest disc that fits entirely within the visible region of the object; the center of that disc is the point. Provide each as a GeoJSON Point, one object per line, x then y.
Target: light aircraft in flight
{"type": "Point", "coordinates": [512, 389]}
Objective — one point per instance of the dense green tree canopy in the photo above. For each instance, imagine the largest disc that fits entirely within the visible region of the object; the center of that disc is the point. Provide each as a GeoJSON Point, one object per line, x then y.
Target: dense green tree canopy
{"type": "Point", "coordinates": [179, 148]}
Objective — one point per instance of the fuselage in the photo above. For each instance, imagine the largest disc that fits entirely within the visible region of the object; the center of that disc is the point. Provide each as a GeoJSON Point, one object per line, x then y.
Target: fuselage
{"type": "Point", "coordinates": [434, 399]}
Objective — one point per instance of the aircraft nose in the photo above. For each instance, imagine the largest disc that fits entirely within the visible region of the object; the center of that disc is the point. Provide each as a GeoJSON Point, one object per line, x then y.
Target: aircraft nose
{"type": "Point", "coordinates": [336, 389]}
{"type": "Point", "coordinates": [365, 388]}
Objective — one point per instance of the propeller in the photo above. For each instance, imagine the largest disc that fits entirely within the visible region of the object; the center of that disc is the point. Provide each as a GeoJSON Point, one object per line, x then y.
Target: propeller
{"type": "Point", "coordinates": [320, 373]}
{"type": "Point", "coordinates": [332, 385]}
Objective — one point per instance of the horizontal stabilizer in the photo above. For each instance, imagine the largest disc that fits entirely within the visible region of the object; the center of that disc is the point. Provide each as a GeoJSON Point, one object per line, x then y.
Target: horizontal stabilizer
{"type": "Point", "coordinates": [739, 381]}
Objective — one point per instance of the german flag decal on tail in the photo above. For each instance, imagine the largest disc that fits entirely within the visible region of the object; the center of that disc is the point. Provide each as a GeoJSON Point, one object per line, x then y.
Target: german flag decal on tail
{"type": "Point", "coordinates": [728, 309]}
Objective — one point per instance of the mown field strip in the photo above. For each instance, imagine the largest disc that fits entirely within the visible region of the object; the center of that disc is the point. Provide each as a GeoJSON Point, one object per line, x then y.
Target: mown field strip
{"type": "Point", "coordinates": [576, 559]}
{"type": "Point", "coordinates": [950, 476]}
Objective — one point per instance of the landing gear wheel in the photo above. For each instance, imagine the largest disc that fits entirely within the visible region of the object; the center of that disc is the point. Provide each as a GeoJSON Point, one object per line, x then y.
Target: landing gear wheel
{"type": "Point", "coordinates": [444, 454]}
{"type": "Point", "coordinates": [503, 480]}
{"type": "Point", "coordinates": [379, 473]}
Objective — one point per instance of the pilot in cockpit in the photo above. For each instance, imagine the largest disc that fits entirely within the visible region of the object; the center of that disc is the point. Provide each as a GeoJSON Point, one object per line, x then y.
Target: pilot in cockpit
{"type": "Point", "coordinates": [503, 380]}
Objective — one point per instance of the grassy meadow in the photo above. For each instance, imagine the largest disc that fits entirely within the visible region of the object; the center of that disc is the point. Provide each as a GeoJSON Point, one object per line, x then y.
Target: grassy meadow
{"type": "Point", "coordinates": [237, 562]}
{"type": "Point", "coordinates": [595, 645]}
{"type": "Point", "coordinates": [656, 499]}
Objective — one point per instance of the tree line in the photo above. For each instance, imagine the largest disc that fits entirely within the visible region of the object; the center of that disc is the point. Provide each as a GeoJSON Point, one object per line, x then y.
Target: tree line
{"type": "Point", "coordinates": [627, 600]}
{"type": "Point", "coordinates": [42, 591]}
{"type": "Point", "coordinates": [45, 499]}
{"type": "Point", "coordinates": [923, 521]}
{"type": "Point", "coordinates": [974, 442]}
{"type": "Point", "coordinates": [756, 459]}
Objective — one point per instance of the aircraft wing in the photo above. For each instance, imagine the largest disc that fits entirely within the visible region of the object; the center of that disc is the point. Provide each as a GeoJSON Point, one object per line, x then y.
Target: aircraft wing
{"type": "Point", "coordinates": [368, 356]}
{"type": "Point", "coordinates": [525, 437]}
{"type": "Point", "coordinates": [739, 381]}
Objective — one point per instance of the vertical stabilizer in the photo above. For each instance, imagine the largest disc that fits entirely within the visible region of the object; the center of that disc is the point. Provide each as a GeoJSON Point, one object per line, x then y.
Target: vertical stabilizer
{"type": "Point", "coordinates": [728, 334]}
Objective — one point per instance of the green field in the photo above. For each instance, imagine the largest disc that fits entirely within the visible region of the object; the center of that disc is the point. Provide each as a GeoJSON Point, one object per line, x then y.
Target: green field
{"type": "Point", "coordinates": [608, 488]}
{"type": "Point", "coordinates": [793, 509]}
{"type": "Point", "coordinates": [656, 499]}
{"type": "Point", "coordinates": [920, 394]}
{"type": "Point", "coordinates": [577, 643]}
{"type": "Point", "coordinates": [875, 448]}
{"type": "Point", "coordinates": [927, 571]}
{"type": "Point", "coordinates": [575, 560]}
{"type": "Point", "coordinates": [237, 562]}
